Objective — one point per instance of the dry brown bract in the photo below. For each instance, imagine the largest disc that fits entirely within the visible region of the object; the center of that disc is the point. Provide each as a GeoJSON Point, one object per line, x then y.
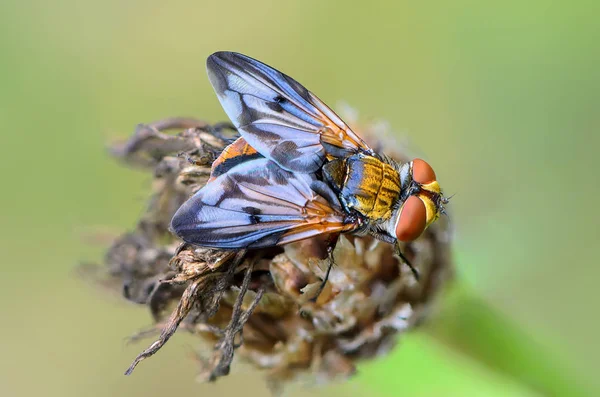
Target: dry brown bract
{"type": "Point", "coordinates": [258, 302]}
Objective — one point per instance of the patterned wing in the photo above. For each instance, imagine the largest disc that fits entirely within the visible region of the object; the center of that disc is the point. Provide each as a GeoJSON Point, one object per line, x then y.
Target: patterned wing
{"type": "Point", "coordinates": [277, 116]}
{"type": "Point", "coordinates": [258, 204]}
{"type": "Point", "coordinates": [234, 154]}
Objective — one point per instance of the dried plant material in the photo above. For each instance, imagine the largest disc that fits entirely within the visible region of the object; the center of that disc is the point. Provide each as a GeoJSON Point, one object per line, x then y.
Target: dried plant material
{"type": "Point", "coordinates": [258, 305]}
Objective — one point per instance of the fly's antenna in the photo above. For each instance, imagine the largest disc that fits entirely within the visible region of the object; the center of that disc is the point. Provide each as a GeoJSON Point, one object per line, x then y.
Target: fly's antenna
{"type": "Point", "coordinates": [444, 201]}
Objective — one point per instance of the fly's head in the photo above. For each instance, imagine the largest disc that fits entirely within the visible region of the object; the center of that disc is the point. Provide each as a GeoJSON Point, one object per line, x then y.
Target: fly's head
{"type": "Point", "coordinates": [422, 201]}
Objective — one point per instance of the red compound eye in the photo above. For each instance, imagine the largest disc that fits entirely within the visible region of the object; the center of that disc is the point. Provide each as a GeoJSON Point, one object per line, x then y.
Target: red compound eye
{"type": "Point", "coordinates": [413, 219]}
{"type": "Point", "coordinates": [422, 172]}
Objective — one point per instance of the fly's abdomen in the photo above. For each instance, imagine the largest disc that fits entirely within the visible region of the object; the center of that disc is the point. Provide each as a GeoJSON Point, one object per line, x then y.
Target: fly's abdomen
{"type": "Point", "coordinates": [371, 186]}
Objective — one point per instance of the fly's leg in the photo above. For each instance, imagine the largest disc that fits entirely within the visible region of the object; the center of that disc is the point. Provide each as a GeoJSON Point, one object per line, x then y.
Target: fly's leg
{"type": "Point", "coordinates": [331, 242]}
{"type": "Point", "coordinates": [324, 282]}
{"type": "Point", "coordinates": [398, 252]}
{"type": "Point", "coordinates": [384, 237]}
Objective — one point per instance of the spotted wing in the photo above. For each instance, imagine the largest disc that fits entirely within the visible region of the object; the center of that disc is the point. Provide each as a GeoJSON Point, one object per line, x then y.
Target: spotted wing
{"type": "Point", "coordinates": [277, 116]}
{"type": "Point", "coordinates": [258, 204]}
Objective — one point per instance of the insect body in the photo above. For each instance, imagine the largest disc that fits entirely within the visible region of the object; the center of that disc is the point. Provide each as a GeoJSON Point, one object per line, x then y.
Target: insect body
{"type": "Point", "coordinates": [366, 184]}
{"type": "Point", "coordinates": [298, 171]}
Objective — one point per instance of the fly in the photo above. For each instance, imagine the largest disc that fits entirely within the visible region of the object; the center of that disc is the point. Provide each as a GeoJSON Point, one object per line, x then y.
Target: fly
{"type": "Point", "coordinates": [298, 171]}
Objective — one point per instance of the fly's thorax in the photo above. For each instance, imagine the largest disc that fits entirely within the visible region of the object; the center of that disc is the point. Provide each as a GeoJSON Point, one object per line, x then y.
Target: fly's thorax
{"type": "Point", "coordinates": [365, 184]}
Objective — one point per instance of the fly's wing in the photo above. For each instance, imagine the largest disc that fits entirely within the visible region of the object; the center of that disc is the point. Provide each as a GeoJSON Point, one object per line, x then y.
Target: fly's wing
{"type": "Point", "coordinates": [277, 116]}
{"type": "Point", "coordinates": [258, 204]}
{"type": "Point", "coordinates": [236, 153]}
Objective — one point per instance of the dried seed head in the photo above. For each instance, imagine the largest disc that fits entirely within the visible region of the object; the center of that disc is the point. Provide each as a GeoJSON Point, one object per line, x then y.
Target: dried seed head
{"type": "Point", "coordinates": [259, 302]}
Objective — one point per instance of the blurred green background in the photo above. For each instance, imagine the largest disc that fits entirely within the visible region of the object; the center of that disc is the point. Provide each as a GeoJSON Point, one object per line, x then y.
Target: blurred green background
{"type": "Point", "coordinates": [502, 98]}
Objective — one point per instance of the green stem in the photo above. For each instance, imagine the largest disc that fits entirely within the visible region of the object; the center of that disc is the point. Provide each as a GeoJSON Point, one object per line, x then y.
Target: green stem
{"type": "Point", "coordinates": [473, 327]}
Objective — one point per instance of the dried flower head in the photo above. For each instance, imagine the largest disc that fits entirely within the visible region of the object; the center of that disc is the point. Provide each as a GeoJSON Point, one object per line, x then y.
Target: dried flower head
{"type": "Point", "coordinates": [258, 303]}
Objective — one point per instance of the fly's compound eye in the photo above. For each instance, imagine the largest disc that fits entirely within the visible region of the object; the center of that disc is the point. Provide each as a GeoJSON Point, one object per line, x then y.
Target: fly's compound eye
{"type": "Point", "coordinates": [422, 172]}
{"type": "Point", "coordinates": [412, 221]}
